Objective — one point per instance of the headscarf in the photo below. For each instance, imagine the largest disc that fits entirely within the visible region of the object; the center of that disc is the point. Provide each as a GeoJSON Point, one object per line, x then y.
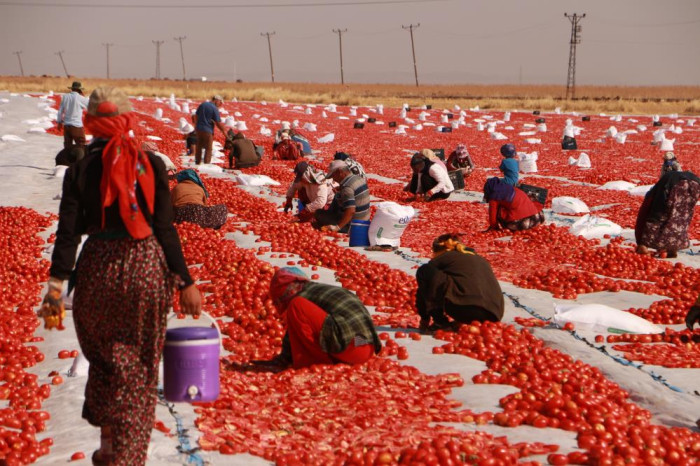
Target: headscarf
{"type": "Point", "coordinates": [430, 156]}
{"type": "Point", "coordinates": [462, 153]}
{"type": "Point", "coordinates": [508, 150]}
{"type": "Point", "coordinates": [123, 165]}
{"type": "Point", "coordinates": [660, 191]}
{"type": "Point", "coordinates": [191, 175]}
{"type": "Point", "coordinates": [313, 175]}
{"type": "Point", "coordinates": [286, 283]}
{"type": "Point", "coordinates": [496, 190]}
{"type": "Point", "coordinates": [449, 242]}
{"type": "Point", "coordinates": [355, 167]}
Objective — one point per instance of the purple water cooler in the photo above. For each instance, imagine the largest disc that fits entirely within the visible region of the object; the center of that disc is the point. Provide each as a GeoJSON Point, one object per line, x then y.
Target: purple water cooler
{"type": "Point", "coordinates": [191, 364]}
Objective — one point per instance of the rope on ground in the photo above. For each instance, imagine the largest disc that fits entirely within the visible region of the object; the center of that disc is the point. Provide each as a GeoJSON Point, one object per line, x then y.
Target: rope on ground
{"type": "Point", "coordinates": [182, 434]}
{"type": "Point", "coordinates": [620, 360]}
{"type": "Point", "coordinates": [406, 257]}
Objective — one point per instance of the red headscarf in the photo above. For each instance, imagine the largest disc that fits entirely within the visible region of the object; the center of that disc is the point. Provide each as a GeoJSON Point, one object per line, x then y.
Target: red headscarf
{"type": "Point", "coordinates": [123, 165]}
{"type": "Point", "coordinates": [285, 284]}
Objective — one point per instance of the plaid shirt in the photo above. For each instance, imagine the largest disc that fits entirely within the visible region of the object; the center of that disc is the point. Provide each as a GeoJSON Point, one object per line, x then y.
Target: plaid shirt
{"type": "Point", "coordinates": [347, 320]}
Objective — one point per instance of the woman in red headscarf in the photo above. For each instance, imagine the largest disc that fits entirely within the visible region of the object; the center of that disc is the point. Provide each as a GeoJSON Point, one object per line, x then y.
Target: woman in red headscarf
{"type": "Point", "coordinates": [325, 324]}
{"type": "Point", "coordinates": [124, 278]}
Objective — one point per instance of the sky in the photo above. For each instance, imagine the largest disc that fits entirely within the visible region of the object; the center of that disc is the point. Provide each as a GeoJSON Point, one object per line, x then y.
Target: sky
{"type": "Point", "coordinates": [623, 42]}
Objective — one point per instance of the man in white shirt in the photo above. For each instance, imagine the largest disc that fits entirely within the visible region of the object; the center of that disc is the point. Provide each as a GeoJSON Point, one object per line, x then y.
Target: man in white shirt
{"type": "Point", "coordinates": [70, 117]}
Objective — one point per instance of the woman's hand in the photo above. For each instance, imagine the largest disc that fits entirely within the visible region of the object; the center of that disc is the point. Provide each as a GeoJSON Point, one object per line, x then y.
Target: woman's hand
{"type": "Point", "coordinates": [190, 301]}
{"type": "Point", "coordinates": [52, 309]}
{"type": "Point", "coordinates": [287, 205]}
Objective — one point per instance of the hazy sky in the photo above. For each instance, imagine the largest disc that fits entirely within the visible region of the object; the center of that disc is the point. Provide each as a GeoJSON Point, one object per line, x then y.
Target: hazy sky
{"type": "Point", "coordinates": [628, 42]}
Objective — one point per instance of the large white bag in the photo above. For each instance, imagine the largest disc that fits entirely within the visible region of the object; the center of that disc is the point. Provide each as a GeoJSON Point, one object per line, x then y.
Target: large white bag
{"type": "Point", "coordinates": [569, 205]}
{"type": "Point", "coordinates": [255, 180]}
{"type": "Point", "coordinates": [528, 162]}
{"type": "Point", "coordinates": [618, 185]}
{"type": "Point", "coordinates": [595, 227]}
{"type": "Point", "coordinates": [389, 222]}
{"type": "Point", "coordinates": [602, 318]}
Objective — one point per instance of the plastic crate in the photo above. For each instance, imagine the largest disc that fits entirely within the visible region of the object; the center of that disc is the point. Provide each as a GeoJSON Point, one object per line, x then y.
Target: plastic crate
{"type": "Point", "coordinates": [440, 153]}
{"type": "Point", "coordinates": [457, 179]}
{"type": "Point", "coordinates": [534, 192]}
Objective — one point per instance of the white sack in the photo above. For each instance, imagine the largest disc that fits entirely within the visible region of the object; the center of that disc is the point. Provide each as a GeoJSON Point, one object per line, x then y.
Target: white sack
{"type": "Point", "coordinates": [641, 190]}
{"type": "Point", "coordinates": [528, 162]}
{"type": "Point", "coordinates": [569, 205]}
{"type": "Point", "coordinates": [209, 168]}
{"type": "Point", "coordinates": [389, 222]}
{"type": "Point", "coordinates": [327, 138]}
{"type": "Point", "coordinates": [618, 185]}
{"type": "Point", "coordinates": [255, 180]}
{"type": "Point", "coordinates": [595, 227]}
{"type": "Point", "coordinates": [602, 318]}
{"type": "Point", "coordinates": [583, 161]}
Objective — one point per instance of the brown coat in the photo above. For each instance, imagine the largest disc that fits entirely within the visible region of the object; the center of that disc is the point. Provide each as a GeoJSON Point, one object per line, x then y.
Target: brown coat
{"type": "Point", "coordinates": [243, 150]}
{"type": "Point", "coordinates": [462, 279]}
{"type": "Point", "coordinates": [187, 192]}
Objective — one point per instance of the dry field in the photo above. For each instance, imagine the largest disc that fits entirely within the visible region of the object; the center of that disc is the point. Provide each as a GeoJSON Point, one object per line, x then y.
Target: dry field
{"type": "Point", "coordinates": [594, 99]}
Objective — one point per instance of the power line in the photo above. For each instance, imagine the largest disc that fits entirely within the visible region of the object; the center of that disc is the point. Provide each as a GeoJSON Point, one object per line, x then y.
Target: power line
{"type": "Point", "coordinates": [340, 42]}
{"type": "Point", "coordinates": [269, 48]}
{"type": "Point", "coordinates": [200, 6]}
{"type": "Point", "coordinates": [411, 27]}
{"type": "Point", "coordinates": [19, 57]}
{"type": "Point", "coordinates": [182, 56]}
{"type": "Point", "coordinates": [107, 46]}
{"type": "Point", "coordinates": [158, 43]}
{"type": "Point", "coordinates": [649, 25]}
{"type": "Point", "coordinates": [575, 39]}
{"type": "Point", "coordinates": [60, 55]}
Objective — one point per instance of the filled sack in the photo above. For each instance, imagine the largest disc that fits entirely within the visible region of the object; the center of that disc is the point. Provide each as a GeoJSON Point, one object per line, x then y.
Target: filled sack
{"type": "Point", "coordinates": [602, 318]}
{"type": "Point", "coordinates": [595, 227]}
{"type": "Point", "coordinates": [388, 224]}
{"type": "Point", "coordinates": [569, 205]}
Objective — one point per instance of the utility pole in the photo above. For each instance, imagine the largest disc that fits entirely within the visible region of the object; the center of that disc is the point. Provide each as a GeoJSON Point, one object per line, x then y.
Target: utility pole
{"type": "Point", "coordinates": [340, 41]}
{"type": "Point", "coordinates": [182, 56]}
{"type": "Point", "coordinates": [575, 39]}
{"type": "Point", "coordinates": [158, 43]}
{"type": "Point", "coordinates": [107, 46]}
{"type": "Point", "coordinates": [269, 48]}
{"type": "Point", "coordinates": [19, 57]}
{"type": "Point", "coordinates": [411, 27]}
{"type": "Point", "coordinates": [60, 55]}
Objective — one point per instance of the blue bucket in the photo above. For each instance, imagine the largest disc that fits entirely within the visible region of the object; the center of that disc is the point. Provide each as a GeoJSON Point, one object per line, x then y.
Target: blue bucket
{"type": "Point", "coordinates": [359, 233]}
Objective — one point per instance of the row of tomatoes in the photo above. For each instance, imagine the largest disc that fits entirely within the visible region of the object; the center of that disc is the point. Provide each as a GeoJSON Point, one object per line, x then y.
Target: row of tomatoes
{"type": "Point", "coordinates": [23, 393]}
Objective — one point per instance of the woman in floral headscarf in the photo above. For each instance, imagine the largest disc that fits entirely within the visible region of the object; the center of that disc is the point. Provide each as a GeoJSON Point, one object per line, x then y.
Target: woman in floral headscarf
{"type": "Point", "coordinates": [315, 192]}
{"type": "Point", "coordinates": [460, 159]}
{"type": "Point", "coordinates": [124, 279]}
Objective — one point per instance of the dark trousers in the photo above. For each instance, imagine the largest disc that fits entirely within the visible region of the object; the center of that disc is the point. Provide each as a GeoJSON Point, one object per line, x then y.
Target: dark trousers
{"type": "Point", "coordinates": [73, 136]}
{"type": "Point", "coordinates": [439, 196]}
{"type": "Point", "coordinates": [205, 140]}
